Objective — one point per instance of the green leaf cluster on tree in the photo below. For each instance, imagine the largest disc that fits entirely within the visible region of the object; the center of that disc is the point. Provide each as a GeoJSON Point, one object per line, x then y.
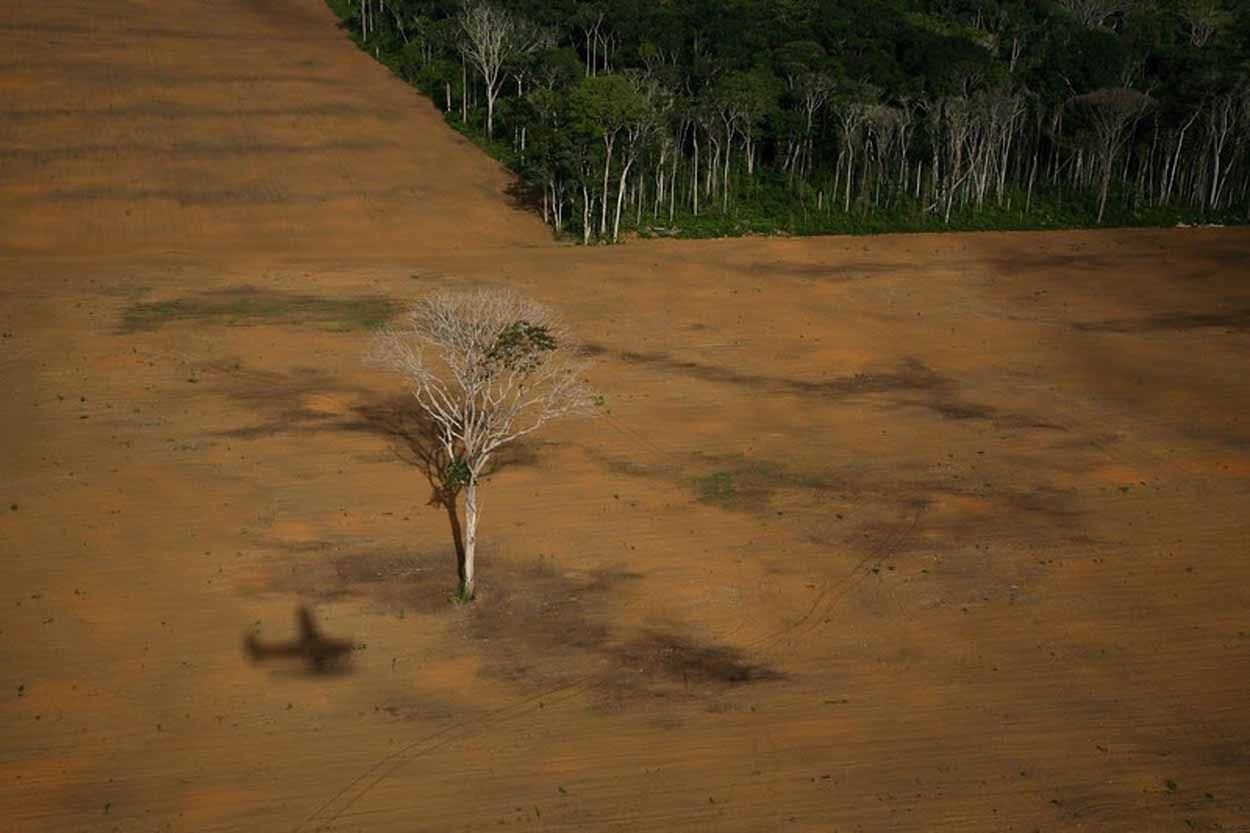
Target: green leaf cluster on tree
{"type": "Point", "coordinates": [697, 117]}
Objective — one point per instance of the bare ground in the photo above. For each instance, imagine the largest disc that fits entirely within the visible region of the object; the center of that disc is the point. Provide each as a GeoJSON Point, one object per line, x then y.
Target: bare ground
{"type": "Point", "coordinates": [899, 533]}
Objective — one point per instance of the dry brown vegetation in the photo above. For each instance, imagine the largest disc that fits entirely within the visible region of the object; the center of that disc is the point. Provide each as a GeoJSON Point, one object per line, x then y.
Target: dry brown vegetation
{"type": "Point", "coordinates": [940, 533]}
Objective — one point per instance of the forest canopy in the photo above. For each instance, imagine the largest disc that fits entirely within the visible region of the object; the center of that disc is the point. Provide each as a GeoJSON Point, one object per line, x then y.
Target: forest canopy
{"type": "Point", "coordinates": [698, 117]}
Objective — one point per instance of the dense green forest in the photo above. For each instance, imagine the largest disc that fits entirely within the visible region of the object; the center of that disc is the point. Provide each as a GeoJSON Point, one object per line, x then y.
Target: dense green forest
{"type": "Point", "coordinates": [719, 117]}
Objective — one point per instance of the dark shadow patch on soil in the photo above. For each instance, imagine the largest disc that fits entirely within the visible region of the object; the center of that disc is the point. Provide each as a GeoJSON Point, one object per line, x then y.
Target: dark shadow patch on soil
{"type": "Point", "coordinates": [969, 546]}
{"type": "Point", "coordinates": [688, 661]}
{"type": "Point", "coordinates": [177, 111]}
{"type": "Point", "coordinates": [625, 466]}
{"type": "Point", "coordinates": [146, 33]}
{"type": "Point", "coordinates": [1232, 437]}
{"type": "Point", "coordinates": [1237, 320]}
{"type": "Point", "coordinates": [910, 376]}
{"type": "Point", "coordinates": [405, 706]}
{"type": "Point", "coordinates": [284, 400]}
{"type": "Point", "coordinates": [211, 150]}
{"type": "Point", "coordinates": [113, 73]}
{"type": "Point", "coordinates": [537, 621]}
{"type": "Point", "coordinates": [1023, 262]}
{"type": "Point", "coordinates": [391, 578]}
{"type": "Point", "coordinates": [539, 624]}
{"type": "Point", "coordinates": [1102, 442]}
{"type": "Point", "coordinates": [260, 194]}
{"type": "Point", "coordinates": [1053, 507]}
{"type": "Point", "coordinates": [1227, 256]}
{"type": "Point", "coordinates": [831, 272]}
{"type": "Point", "coordinates": [846, 271]}
{"type": "Point", "coordinates": [910, 384]}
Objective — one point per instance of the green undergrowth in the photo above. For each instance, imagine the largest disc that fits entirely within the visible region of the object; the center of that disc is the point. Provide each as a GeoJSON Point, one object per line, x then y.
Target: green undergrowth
{"type": "Point", "coordinates": [252, 308]}
{"type": "Point", "coordinates": [772, 209]}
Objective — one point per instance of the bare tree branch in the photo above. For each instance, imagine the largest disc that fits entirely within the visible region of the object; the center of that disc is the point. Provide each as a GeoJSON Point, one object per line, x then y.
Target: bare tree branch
{"type": "Point", "coordinates": [1096, 14]}
{"type": "Point", "coordinates": [1204, 18]}
{"type": "Point", "coordinates": [487, 367]}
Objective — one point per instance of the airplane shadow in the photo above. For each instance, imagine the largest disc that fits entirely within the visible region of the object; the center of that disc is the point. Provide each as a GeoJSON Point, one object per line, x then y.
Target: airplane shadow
{"type": "Point", "coordinates": [318, 654]}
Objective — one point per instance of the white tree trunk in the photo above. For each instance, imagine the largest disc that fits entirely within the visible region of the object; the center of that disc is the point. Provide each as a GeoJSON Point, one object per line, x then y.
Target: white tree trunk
{"type": "Point", "coordinates": [850, 163]}
{"type": "Point", "coordinates": [620, 201]}
{"type": "Point", "coordinates": [694, 176]}
{"type": "Point", "coordinates": [464, 92]}
{"type": "Point", "coordinates": [608, 142]}
{"type": "Point", "coordinates": [470, 537]}
{"type": "Point", "coordinates": [585, 215]}
{"type": "Point", "coordinates": [492, 92]}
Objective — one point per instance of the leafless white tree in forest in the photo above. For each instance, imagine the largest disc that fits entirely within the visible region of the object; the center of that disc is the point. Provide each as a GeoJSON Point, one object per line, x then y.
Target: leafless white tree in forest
{"type": "Point", "coordinates": [1204, 18]}
{"type": "Point", "coordinates": [487, 367]}
{"type": "Point", "coordinates": [1227, 121]}
{"type": "Point", "coordinates": [814, 91]}
{"type": "Point", "coordinates": [1094, 14]}
{"type": "Point", "coordinates": [1109, 112]}
{"type": "Point", "coordinates": [490, 41]}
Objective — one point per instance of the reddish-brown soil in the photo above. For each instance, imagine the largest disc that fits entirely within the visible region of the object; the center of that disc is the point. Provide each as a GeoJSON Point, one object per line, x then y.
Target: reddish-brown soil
{"type": "Point", "coordinates": [890, 534]}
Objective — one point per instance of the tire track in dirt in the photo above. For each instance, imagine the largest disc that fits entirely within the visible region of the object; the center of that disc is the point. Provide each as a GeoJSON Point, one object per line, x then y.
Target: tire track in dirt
{"type": "Point", "coordinates": [829, 593]}
{"type": "Point", "coordinates": [347, 797]}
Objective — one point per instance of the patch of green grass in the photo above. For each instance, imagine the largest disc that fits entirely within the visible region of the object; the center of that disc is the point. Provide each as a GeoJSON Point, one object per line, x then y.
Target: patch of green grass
{"type": "Point", "coordinates": [745, 484]}
{"type": "Point", "coordinates": [253, 308]}
{"type": "Point", "coordinates": [462, 596]}
{"type": "Point", "coordinates": [717, 487]}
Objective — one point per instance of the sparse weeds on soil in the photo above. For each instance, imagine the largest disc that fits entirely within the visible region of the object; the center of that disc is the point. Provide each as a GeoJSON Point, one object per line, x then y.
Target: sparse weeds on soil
{"type": "Point", "coordinates": [251, 308]}
{"type": "Point", "coordinates": [749, 485]}
{"type": "Point", "coordinates": [717, 487]}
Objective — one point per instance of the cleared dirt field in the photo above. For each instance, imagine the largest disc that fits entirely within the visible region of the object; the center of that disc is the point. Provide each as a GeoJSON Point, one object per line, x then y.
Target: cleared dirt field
{"type": "Point", "coordinates": [883, 534]}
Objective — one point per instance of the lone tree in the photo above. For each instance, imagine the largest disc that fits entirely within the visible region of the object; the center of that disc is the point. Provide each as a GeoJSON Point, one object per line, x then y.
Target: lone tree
{"type": "Point", "coordinates": [486, 367]}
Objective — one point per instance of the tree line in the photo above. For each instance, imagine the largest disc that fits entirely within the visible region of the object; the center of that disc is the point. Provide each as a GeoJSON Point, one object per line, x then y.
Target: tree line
{"type": "Point", "coordinates": [731, 116]}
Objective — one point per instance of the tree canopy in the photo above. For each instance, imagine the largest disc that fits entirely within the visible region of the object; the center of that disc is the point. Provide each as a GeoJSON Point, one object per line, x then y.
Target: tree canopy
{"type": "Point", "coordinates": [727, 116]}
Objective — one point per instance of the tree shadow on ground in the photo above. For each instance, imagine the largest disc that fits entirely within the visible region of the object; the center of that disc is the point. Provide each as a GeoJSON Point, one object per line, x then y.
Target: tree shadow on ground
{"type": "Point", "coordinates": [541, 624]}
{"type": "Point", "coordinates": [416, 439]}
{"type": "Point", "coordinates": [1237, 320]}
{"type": "Point", "coordinates": [910, 384]}
{"type": "Point", "coordinates": [395, 579]}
